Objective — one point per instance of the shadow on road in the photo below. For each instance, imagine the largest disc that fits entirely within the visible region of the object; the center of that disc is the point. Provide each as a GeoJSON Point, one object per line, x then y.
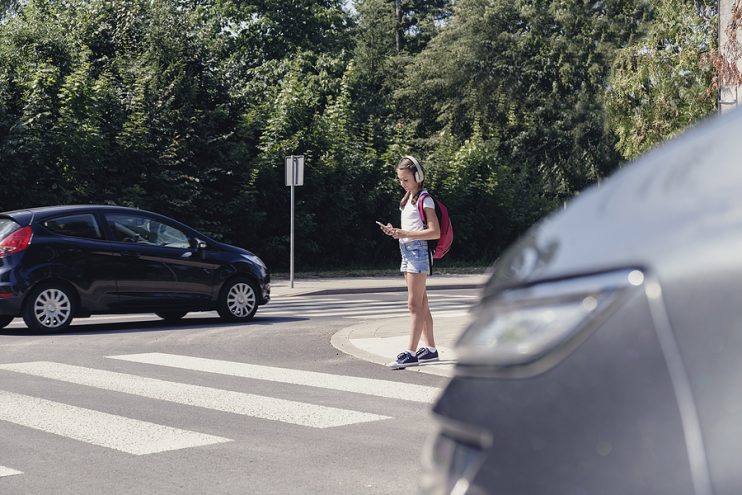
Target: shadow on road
{"type": "Point", "coordinates": [79, 327]}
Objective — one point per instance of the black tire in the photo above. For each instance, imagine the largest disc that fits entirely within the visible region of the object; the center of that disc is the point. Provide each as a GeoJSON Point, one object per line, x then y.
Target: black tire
{"type": "Point", "coordinates": [238, 300]}
{"type": "Point", "coordinates": [49, 307]}
{"type": "Point", "coordinates": [5, 321]}
{"type": "Point", "coordinates": [172, 315]}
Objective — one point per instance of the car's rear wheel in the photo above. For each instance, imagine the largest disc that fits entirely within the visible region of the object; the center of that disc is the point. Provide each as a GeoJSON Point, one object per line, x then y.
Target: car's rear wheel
{"type": "Point", "coordinates": [5, 321]}
{"type": "Point", "coordinates": [49, 307]}
{"type": "Point", "coordinates": [172, 315]}
{"type": "Point", "coordinates": [238, 300]}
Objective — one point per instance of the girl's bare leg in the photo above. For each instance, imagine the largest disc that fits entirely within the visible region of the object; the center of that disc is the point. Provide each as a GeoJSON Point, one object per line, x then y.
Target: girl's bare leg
{"type": "Point", "coordinates": [428, 326]}
{"type": "Point", "coordinates": [417, 304]}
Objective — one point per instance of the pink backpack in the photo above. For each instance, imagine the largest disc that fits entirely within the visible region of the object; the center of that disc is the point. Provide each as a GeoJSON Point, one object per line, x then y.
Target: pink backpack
{"type": "Point", "coordinates": [438, 247]}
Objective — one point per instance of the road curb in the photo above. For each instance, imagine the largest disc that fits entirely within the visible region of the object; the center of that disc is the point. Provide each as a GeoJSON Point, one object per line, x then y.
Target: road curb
{"type": "Point", "coordinates": [342, 341]}
{"type": "Point", "coordinates": [371, 290]}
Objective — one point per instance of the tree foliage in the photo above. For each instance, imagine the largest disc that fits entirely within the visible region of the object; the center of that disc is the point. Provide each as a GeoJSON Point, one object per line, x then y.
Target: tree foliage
{"type": "Point", "coordinates": [189, 108]}
{"type": "Point", "coordinates": [520, 82]}
{"type": "Point", "coordinates": [661, 84]}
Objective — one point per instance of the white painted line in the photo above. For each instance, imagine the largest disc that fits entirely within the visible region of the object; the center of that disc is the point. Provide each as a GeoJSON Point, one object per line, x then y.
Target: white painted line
{"type": "Point", "coordinates": [436, 314]}
{"type": "Point", "coordinates": [310, 307]}
{"type": "Point", "coordinates": [398, 307]}
{"type": "Point", "coordinates": [364, 304]}
{"type": "Point", "coordinates": [98, 428]}
{"type": "Point", "coordinates": [314, 302]}
{"type": "Point", "coordinates": [358, 385]}
{"type": "Point", "coordinates": [287, 411]}
{"type": "Point", "coordinates": [329, 311]}
{"type": "Point", "coordinates": [451, 296]}
{"type": "Point", "coordinates": [451, 314]}
{"type": "Point", "coordinates": [334, 307]}
{"type": "Point", "coordinates": [6, 471]}
{"type": "Point", "coordinates": [98, 319]}
{"type": "Point", "coordinates": [362, 315]}
{"type": "Point", "coordinates": [136, 316]}
{"type": "Point", "coordinates": [386, 312]}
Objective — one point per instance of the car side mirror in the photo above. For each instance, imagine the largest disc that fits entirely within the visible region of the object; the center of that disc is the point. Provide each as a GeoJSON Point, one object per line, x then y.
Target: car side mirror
{"type": "Point", "coordinates": [196, 244]}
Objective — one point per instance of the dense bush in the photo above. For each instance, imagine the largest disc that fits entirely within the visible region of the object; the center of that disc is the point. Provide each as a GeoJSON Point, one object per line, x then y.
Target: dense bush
{"type": "Point", "coordinates": [189, 107]}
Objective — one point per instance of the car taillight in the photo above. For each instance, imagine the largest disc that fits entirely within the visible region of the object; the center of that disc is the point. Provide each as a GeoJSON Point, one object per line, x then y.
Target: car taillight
{"type": "Point", "coordinates": [16, 242]}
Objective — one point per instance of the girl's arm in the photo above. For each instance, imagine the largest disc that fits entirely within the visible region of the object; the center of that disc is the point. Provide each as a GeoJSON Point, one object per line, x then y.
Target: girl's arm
{"type": "Point", "coordinates": [432, 231]}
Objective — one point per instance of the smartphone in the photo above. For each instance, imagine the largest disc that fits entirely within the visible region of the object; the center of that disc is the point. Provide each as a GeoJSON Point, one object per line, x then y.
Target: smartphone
{"type": "Point", "coordinates": [380, 224]}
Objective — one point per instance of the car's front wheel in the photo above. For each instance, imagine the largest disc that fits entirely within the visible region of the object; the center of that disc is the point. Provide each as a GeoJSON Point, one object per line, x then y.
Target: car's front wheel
{"type": "Point", "coordinates": [5, 321]}
{"type": "Point", "coordinates": [49, 307]}
{"type": "Point", "coordinates": [172, 315]}
{"type": "Point", "coordinates": [238, 300]}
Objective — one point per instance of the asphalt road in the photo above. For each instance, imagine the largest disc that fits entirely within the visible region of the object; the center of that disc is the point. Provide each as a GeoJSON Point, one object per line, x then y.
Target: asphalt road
{"type": "Point", "coordinates": [129, 404]}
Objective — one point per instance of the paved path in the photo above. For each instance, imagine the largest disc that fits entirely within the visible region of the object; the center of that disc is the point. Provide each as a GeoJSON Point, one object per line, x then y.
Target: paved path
{"type": "Point", "coordinates": [381, 338]}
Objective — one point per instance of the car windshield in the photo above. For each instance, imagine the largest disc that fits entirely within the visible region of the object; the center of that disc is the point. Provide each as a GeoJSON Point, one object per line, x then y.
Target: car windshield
{"type": "Point", "coordinates": [6, 227]}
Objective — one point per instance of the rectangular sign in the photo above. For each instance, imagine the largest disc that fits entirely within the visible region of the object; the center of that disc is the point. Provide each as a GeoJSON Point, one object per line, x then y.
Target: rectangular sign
{"type": "Point", "coordinates": [295, 164]}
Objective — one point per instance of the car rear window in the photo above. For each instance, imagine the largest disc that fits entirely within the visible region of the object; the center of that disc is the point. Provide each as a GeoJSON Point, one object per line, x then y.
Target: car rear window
{"type": "Point", "coordinates": [83, 225]}
{"type": "Point", "coordinates": [6, 227]}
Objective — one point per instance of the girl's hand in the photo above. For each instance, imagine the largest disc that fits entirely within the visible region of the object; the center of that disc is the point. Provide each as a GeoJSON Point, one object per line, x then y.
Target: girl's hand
{"type": "Point", "coordinates": [387, 229]}
{"type": "Point", "coordinates": [398, 233]}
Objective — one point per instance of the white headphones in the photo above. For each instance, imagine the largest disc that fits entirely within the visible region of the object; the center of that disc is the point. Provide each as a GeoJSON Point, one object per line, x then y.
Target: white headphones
{"type": "Point", "coordinates": [419, 175]}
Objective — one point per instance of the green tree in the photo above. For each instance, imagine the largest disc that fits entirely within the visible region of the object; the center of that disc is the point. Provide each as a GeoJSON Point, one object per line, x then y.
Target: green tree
{"type": "Point", "coordinates": [189, 108]}
{"type": "Point", "coordinates": [8, 7]}
{"type": "Point", "coordinates": [525, 78]}
{"type": "Point", "coordinates": [388, 35]}
{"type": "Point", "coordinates": [663, 82]}
{"type": "Point", "coordinates": [121, 103]}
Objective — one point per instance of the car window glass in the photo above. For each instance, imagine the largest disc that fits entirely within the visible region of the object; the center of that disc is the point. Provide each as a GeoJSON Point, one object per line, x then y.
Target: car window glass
{"type": "Point", "coordinates": [145, 230]}
{"type": "Point", "coordinates": [83, 225]}
{"type": "Point", "coordinates": [7, 226]}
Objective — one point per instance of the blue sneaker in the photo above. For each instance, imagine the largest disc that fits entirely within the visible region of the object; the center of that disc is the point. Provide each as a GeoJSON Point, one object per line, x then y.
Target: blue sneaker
{"type": "Point", "coordinates": [404, 359]}
{"type": "Point", "coordinates": [425, 355]}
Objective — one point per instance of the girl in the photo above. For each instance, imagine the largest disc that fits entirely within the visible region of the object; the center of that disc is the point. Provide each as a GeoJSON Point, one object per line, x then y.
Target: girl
{"type": "Point", "coordinates": [412, 236]}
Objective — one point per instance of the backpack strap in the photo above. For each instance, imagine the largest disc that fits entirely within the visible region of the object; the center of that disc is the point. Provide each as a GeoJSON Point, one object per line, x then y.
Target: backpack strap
{"type": "Point", "coordinates": [420, 201]}
{"type": "Point", "coordinates": [430, 261]}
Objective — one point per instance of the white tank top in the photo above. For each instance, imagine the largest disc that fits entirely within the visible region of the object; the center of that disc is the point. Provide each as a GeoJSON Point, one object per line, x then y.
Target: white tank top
{"type": "Point", "coordinates": [411, 217]}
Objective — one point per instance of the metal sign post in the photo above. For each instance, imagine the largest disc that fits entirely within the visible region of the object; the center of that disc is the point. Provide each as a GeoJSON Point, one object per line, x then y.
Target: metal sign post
{"type": "Point", "coordinates": [294, 177]}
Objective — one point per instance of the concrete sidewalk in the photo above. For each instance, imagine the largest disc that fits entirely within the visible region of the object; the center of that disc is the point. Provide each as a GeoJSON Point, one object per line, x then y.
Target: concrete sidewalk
{"type": "Point", "coordinates": [380, 341]}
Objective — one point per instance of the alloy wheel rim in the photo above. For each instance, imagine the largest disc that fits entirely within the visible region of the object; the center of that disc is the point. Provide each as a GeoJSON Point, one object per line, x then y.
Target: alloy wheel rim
{"type": "Point", "coordinates": [241, 299]}
{"type": "Point", "coordinates": [52, 308]}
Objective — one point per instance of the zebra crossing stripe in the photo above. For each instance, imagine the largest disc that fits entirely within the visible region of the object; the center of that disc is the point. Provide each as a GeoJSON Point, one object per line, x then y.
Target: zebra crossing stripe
{"type": "Point", "coordinates": [6, 471]}
{"type": "Point", "coordinates": [395, 310]}
{"type": "Point", "coordinates": [453, 313]}
{"type": "Point", "coordinates": [358, 385]}
{"type": "Point", "coordinates": [331, 302]}
{"type": "Point", "coordinates": [98, 428]}
{"type": "Point", "coordinates": [287, 411]}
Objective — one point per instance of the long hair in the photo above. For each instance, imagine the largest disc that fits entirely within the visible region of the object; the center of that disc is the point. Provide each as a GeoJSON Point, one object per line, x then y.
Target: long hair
{"type": "Point", "coordinates": [406, 164]}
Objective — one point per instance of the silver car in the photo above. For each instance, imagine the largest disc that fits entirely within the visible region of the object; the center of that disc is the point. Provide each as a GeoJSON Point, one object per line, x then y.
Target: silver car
{"type": "Point", "coordinates": [606, 353]}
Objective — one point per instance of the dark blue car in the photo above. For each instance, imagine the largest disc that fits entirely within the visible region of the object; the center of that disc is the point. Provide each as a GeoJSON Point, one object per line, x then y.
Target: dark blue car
{"type": "Point", "coordinates": [61, 262]}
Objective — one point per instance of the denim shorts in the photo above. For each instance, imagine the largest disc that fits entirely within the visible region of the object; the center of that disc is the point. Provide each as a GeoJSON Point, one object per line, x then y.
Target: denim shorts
{"type": "Point", "coordinates": [414, 257]}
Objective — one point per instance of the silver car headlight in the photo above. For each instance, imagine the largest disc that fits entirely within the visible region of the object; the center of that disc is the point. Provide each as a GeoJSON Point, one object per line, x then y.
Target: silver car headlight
{"type": "Point", "coordinates": [522, 325]}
